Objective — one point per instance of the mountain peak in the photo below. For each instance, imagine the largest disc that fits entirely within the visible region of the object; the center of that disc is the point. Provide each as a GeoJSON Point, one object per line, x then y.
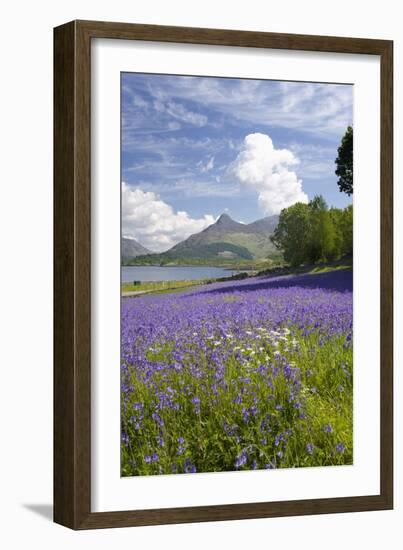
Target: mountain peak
{"type": "Point", "coordinates": [226, 240]}
{"type": "Point", "coordinates": [224, 219]}
{"type": "Point", "coordinates": [132, 248]}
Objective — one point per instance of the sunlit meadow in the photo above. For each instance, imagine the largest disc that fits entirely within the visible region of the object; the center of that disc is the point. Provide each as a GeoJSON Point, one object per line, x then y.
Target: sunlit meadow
{"type": "Point", "coordinates": [238, 375]}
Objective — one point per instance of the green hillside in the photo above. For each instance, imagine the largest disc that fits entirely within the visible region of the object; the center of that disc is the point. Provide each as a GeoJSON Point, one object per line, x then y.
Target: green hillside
{"type": "Point", "coordinates": [225, 242]}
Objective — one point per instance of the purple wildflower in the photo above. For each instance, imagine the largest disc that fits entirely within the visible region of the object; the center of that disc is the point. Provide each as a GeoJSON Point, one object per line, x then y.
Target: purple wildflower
{"type": "Point", "coordinates": [310, 448]}
{"type": "Point", "coordinates": [189, 467]}
{"type": "Point", "coordinates": [241, 459]}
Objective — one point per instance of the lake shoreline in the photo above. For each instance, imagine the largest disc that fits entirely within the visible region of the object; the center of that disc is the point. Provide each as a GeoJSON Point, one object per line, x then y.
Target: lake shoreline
{"type": "Point", "coordinates": [142, 274]}
{"type": "Point", "coordinates": [129, 290]}
{"type": "Point", "coordinates": [225, 267]}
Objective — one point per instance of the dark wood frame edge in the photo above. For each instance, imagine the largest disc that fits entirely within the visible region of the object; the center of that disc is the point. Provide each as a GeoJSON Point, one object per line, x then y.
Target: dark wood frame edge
{"type": "Point", "coordinates": [72, 270]}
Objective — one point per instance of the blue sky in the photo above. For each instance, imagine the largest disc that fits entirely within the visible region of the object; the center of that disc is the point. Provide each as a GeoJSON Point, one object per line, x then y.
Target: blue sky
{"type": "Point", "coordinates": [194, 147]}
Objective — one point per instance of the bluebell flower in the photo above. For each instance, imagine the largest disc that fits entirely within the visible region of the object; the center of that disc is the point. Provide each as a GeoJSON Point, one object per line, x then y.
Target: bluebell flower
{"type": "Point", "coordinates": [189, 467]}
{"type": "Point", "coordinates": [310, 448]}
{"type": "Point", "coordinates": [241, 459]}
{"type": "Point", "coordinates": [245, 414]}
{"type": "Point", "coordinates": [156, 417]}
{"type": "Point", "coordinates": [196, 402]}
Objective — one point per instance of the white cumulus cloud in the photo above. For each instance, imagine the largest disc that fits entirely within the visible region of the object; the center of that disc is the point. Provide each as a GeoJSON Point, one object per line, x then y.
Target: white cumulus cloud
{"type": "Point", "coordinates": [264, 169]}
{"type": "Point", "coordinates": [153, 222]}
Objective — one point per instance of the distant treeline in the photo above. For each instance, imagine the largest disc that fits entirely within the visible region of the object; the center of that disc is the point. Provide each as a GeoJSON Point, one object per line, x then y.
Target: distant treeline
{"type": "Point", "coordinates": [198, 255]}
{"type": "Point", "coordinates": [313, 232]}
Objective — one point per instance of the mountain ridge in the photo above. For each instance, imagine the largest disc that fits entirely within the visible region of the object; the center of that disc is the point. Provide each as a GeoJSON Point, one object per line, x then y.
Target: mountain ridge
{"type": "Point", "coordinates": [226, 240]}
{"type": "Point", "coordinates": [131, 248]}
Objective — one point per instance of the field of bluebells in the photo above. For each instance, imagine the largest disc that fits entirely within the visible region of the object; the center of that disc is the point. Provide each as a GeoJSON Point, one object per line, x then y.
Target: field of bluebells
{"type": "Point", "coordinates": [238, 375]}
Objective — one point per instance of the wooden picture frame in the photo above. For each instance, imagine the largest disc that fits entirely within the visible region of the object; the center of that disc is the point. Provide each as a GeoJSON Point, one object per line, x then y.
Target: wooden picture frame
{"type": "Point", "coordinates": [72, 271]}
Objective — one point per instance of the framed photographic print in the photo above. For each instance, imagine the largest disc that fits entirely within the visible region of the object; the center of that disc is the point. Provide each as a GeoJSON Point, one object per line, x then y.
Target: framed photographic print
{"type": "Point", "coordinates": [222, 275]}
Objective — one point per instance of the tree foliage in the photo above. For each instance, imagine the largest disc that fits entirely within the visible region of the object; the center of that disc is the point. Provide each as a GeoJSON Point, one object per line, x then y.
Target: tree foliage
{"type": "Point", "coordinates": [321, 231]}
{"type": "Point", "coordinates": [311, 232]}
{"type": "Point", "coordinates": [292, 233]}
{"type": "Point", "coordinates": [344, 162]}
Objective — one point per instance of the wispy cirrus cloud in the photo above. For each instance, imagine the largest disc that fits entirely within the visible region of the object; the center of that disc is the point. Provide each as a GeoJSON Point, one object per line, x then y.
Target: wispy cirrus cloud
{"type": "Point", "coordinates": [181, 133]}
{"type": "Point", "coordinates": [180, 112]}
{"type": "Point", "coordinates": [311, 107]}
{"type": "Point", "coordinates": [192, 188]}
{"type": "Point", "coordinates": [173, 144]}
{"type": "Point", "coordinates": [206, 166]}
{"type": "Point", "coordinates": [316, 161]}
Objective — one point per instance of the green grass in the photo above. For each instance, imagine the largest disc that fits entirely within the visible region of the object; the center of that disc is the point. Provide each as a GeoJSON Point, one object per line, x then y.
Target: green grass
{"type": "Point", "coordinates": [326, 393]}
{"type": "Point", "coordinates": [329, 269]}
{"type": "Point", "coordinates": [161, 286]}
{"type": "Point", "coordinates": [285, 269]}
{"type": "Point", "coordinates": [177, 286]}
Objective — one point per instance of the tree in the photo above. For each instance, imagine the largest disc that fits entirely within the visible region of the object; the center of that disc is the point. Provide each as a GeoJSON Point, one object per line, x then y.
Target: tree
{"type": "Point", "coordinates": [336, 216]}
{"type": "Point", "coordinates": [311, 232]}
{"type": "Point", "coordinates": [321, 244]}
{"type": "Point", "coordinates": [344, 162]}
{"type": "Point", "coordinates": [292, 233]}
{"type": "Point", "coordinates": [347, 230]}
{"type": "Point", "coordinates": [343, 226]}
